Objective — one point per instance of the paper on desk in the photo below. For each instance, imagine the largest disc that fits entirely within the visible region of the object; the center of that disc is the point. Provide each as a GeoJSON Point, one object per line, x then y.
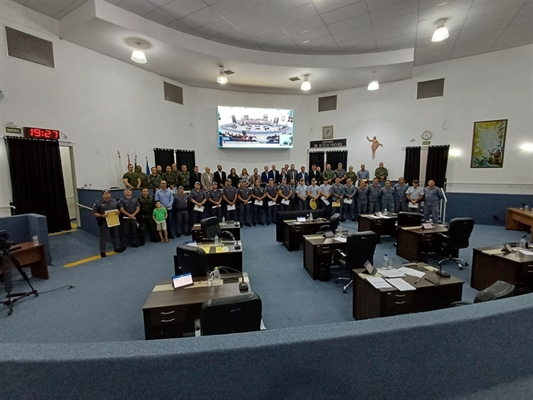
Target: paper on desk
{"type": "Point", "coordinates": [400, 284]}
{"type": "Point", "coordinates": [348, 201]}
{"type": "Point", "coordinates": [526, 252]}
{"type": "Point", "coordinates": [285, 201]}
{"type": "Point", "coordinates": [258, 202]}
{"type": "Point", "coordinates": [329, 241]}
{"type": "Point", "coordinates": [207, 249]}
{"type": "Point", "coordinates": [378, 283]}
{"type": "Point", "coordinates": [412, 272]}
{"type": "Point", "coordinates": [410, 228]}
{"type": "Point", "coordinates": [430, 268]}
{"type": "Point", "coordinates": [199, 208]}
{"type": "Point", "coordinates": [341, 239]}
{"type": "Point", "coordinates": [386, 216]}
{"type": "Point", "coordinates": [222, 249]}
{"type": "Point", "coordinates": [492, 251]}
{"type": "Point", "coordinates": [391, 273]}
{"type": "Point", "coordinates": [271, 203]}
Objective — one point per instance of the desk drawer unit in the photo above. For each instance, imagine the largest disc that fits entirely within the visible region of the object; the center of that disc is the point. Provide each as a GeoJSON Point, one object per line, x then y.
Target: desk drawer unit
{"type": "Point", "coordinates": [396, 303]}
{"type": "Point", "coordinates": [170, 322]}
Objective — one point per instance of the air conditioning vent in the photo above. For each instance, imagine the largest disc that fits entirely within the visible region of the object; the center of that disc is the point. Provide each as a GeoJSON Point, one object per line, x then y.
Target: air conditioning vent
{"type": "Point", "coordinates": [229, 72]}
{"type": "Point", "coordinates": [173, 93]}
{"type": "Point", "coordinates": [328, 103]}
{"type": "Point", "coordinates": [294, 79]}
{"type": "Point", "coordinates": [29, 48]}
{"type": "Point", "coordinates": [433, 88]}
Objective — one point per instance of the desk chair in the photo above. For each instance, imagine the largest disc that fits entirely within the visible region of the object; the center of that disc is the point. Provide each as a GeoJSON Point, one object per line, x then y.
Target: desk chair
{"type": "Point", "coordinates": [407, 219]}
{"type": "Point", "coordinates": [360, 248]}
{"type": "Point", "coordinates": [210, 227]}
{"type": "Point", "coordinates": [456, 238]}
{"type": "Point", "coordinates": [232, 314]}
{"type": "Point", "coordinates": [191, 259]}
{"type": "Point", "coordinates": [333, 224]}
{"type": "Point", "coordinates": [498, 290]}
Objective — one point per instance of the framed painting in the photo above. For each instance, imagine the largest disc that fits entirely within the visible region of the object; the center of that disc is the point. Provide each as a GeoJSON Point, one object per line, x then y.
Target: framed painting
{"type": "Point", "coordinates": [327, 132]}
{"type": "Point", "coordinates": [488, 144]}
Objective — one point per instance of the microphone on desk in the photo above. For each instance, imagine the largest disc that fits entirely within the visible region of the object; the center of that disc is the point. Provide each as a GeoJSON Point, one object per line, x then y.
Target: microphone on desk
{"type": "Point", "coordinates": [237, 247]}
{"type": "Point", "coordinates": [243, 286]}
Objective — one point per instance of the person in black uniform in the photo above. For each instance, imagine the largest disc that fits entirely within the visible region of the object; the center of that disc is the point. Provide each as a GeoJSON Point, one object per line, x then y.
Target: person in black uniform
{"type": "Point", "coordinates": [229, 194]}
{"type": "Point", "coordinates": [284, 192]}
{"type": "Point", "coordinates": [106, 203]}
{"type": "Point", "coordinates": [197, 197]}
{"type": "Point", "coordinates": [244, 193]}
{"type": "Point", "coordinates": [129, 208]}
{"type": "Point", "coordinates": [181, 203]}
{"type": "Point", "coordinates": [258, 194]}
{"type": "Point", "coordinates": [215, 201]}
{"type": "Point", "coordinates": [271, 196]}
{"type": "Point", "coordinates": [146, 222]}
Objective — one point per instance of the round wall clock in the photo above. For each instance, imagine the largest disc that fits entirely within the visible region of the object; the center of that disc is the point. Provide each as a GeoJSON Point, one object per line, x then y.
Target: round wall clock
{"type": "Point", "coordinates": [426, 135]}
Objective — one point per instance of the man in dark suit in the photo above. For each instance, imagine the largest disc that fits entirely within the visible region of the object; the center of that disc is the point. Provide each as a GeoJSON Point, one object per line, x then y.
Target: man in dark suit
{"type": "Point", "coordinates": [196, 176]}
{"type": "Point", "coordinates": [303, 175]}
{"type": "Point", "coordinates": [264, 175]}
{"type": "Point", "coordinates": [219, 176]}
{"type": "Point", "coordinates": [292, 174]}
{"type": "Point", "coordinates": [315, 174]}
{"type": "Point", "coordinates": [274, 174]}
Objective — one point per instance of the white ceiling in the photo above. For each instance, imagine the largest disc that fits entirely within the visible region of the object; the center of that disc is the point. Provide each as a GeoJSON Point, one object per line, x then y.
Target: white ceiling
{"type": "Point", "coordinates": [310, 27]}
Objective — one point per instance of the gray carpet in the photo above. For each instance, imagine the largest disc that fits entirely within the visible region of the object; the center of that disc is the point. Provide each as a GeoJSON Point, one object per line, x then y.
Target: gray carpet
{"type": "Point", "coordinates": [106, 303]}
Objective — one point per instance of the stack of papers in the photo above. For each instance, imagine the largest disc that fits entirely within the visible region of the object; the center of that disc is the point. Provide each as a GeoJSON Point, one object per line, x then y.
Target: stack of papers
{"type": "Point", "coordinates": [378, 283]}
{"type": "Point", "coordinates": [400, 284]}
{"type": "Point", "coordinates": [341, 239]}
{"type": "Point", "coordinates": [391, 273]}
{"type": "Point", "coordinates": [412, 272]}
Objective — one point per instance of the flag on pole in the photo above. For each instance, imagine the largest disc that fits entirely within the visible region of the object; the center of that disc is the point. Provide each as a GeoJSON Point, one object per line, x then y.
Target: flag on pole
{"type": "Point", "coordinates": [147, 167]}
{"type": "Point", "coordinates": [129, 162]}
{"type": "Point", "coordinates": [135, 165]}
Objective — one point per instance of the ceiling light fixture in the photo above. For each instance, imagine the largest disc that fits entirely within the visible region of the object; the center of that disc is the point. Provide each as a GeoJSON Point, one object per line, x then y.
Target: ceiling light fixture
{"type": "Point", "coordinates": [441, 33]}
{"type": "Point", "coordinates": [374, 85]}
{"type": "Point", "coordinates": [306, 85]}
{"type": "Point", "coordinates": [222, 77]}
{"type": "Point", "coordinates": [138, 56]}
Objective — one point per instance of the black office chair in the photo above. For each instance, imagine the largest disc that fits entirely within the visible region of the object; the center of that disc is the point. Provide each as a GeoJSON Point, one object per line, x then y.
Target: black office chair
{"type": "Point", "coordinates": [233, 314]}
{"type": "Point", "coordinates": [333, 224]}
{"type": "Point", "coordinates": [456, 238]}
{"type": "Point", "coordinates": [360, 248]}
{"type": "Point", "coordinates": [191, 259]}
{"type": "Point", "coordinates": [498, 290]}
{"type": "Point", "coordinates": [407, 219]}
{"type": "Point", "coordinates": [210, 228]}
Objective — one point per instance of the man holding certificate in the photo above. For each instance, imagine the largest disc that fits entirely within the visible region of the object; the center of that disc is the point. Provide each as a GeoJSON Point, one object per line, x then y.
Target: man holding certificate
{"type": "Point", "coordinates": [103, 209]}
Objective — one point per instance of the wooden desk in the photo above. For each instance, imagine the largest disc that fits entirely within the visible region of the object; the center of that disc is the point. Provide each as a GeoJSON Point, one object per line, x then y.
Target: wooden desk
{"type": "Point", "coordinates": [232, 258]}
{"type": "Point", "coordinates": [519, 220]}
{"type": "Point", "coordinates": [319, 251]}
{"type": "Point", "coordinates": [413, 241]}
{"type": "Point", "coordinates": [380, 225]}
{"type": "Point", "coordinates": [31, 256]}
{"type": "Point", "coordinates": [489, 265]}
{"type": "Point", "coordinates": [369, 302]}
{"type": "Point", "coordinates": [293, 232]}
{"type": "Point", "coordinates": [170, 313]}
{"type": "Point", "coordinates": [230, 226]}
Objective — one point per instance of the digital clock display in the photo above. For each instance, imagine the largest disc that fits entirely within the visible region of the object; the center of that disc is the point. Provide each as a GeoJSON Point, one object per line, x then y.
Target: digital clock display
{"type": "Point", "coordinates": [41, 133]}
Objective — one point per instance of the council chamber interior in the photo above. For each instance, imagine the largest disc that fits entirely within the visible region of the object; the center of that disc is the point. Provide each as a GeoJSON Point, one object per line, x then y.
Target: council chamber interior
{"type": "Point", "coordinates": [249, 85]}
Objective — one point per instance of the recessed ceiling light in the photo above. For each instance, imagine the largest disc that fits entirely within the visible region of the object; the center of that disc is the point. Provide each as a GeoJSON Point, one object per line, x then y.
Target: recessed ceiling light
{"type": "Point", "coordinates": [305, 41]}
{"type": "Point", "coordinates": [441, 4]}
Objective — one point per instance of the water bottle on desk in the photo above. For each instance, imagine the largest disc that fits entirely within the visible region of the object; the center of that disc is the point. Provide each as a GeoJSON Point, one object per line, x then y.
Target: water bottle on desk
{"type": "Point", "coordinates": [526, 208]}
{"type": "Point", "coordinates": [385, 262]}
{"type": "Point", "coordinates": [523, 242]}
{"type": "Point", "coordinates": [35, 239]}
{"type": "Point", "coordinates": [217, 242]}
{"type": "Point", "coordinates": [311, 216]}
{"type": "Point", "coordinates": [223, 220]}
{"type": "Point", "coordinates": [216, 277]}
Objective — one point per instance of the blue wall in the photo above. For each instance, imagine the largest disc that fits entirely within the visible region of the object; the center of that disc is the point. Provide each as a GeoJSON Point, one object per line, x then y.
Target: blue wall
{"type": "Point", "coordinates": [486, 209]}
{"type": "Point", "coordinates": [21, 228]}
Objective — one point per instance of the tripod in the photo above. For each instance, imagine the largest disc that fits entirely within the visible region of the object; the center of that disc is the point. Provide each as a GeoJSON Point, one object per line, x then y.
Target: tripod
{"type": "Point", "coordinates": [6, 265]}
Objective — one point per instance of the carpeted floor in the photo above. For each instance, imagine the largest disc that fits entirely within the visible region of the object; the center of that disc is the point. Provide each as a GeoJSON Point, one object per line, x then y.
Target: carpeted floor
{"type": "Point", "coordinates": [106, 302]}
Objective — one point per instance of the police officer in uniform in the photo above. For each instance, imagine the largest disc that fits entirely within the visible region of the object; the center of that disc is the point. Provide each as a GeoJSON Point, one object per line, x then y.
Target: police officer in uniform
{"type": "Point", "coordinates": [362, 197]}
{"type": "Point", "coordinates": [387, 197]}
{"type": "Point", "coordinates": [181, 204]}
{"type": "Point", "coordinates": [146, 222]}
{"type": "Point", "coordinates": [271, 195]}
{"type": "Point", "coordinates": [301, 195]}
{"type": "Point", "coordinates": [258, 193]}
{"type": "Point", "coordinates": [198, 198]}
{"type": "Point", "coordinates": [244, 194]}
{"type": "Point", "coordinates": [215, 201]}
{"type": "Point", "coordinates": [325, 194]}
{"type": "Point", "coordinates": [129, 208]}
{"type": "Point", "coordinates": [400, 198]}
{"type": "Point", "coordinates": [313, 192]}
{"type": "Point", "coordinates": [229, 194]}
{"type": "Point", "coordinates": [337, 195]}
{"type": "Point", "coordinates": [292, 186]}
{"type": "Point", "coordinates": [373, 196]}
{"type": "Point", "coordinates": [349, 194]}
{"type": "Point", "coordinates": [106, 203]}
{"type": "Point", "coordinates": [284, 192]}
{"type": "Point", "coordinates": [432, 198]}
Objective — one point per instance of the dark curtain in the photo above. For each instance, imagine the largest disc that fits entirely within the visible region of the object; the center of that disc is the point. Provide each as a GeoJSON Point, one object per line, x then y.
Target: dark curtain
{"type": "Point", "coordinates": [164, 157]}
{"type": "Point", "coordinates": [437, 163]}
{"type": "Point", "coordinates": [185, 157]}
{"type": "Point", "coordinates": [411, 169]}
{"type": "Point", "coordinates": [316, 157]}
{"type": "Point", "coordinates": [336, 157]}
{"type": "Point", "coordinates": [37, 180]}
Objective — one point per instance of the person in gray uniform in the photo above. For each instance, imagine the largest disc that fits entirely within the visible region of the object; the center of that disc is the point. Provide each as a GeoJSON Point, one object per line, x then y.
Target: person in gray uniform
{"type": "Point", "coordinates": [271, 196]}
{"type": "Point", "coordinates": [258, 194]}
{"type": "Point", "coordinates": [129, 207]}
{"type": "Point", "coordinates": [373, 196]}
{"type": "Point", "coordinates": [313, 192]}
{"type": "Point", "coordinates": [340, 172]}
{"type": "Point", "coordinates": [215, 201]}
{"type": "Point", "coordinates": [181, 204]}
{"type": "Point", "coordinates": [325, 194]}
{"type": "Point", "coordinates": [284, 192]}
{"type": "Point", "coordinates": [363, 175]}
{"type": "Point", "coordinates": [198, 198]}
{"type": "Point", "coordinates": [432, 198]}
{"type": "Point", "coordinates": [362, 198]}
{"type": "Point", "coordinates": [244, 194]}
{"type": "Point", "coordinates": [348, 210]}
{"type": "Point", "coordinates": [387, 197]}
{"type": "Point", "coordinates": [400, 199]}
{"type": "Point", "coordinates": [415, 195]}
{"type": "Point", "coordinates": [292, 186]}
{"type": "Point", "coordinates": [301, 195]}
{"type": "Point", "coordinates": [337, 195]}
{"type": "Point", "coordinates": [100, 206]}
{"type": "Point", "coordinates": [229, 194]}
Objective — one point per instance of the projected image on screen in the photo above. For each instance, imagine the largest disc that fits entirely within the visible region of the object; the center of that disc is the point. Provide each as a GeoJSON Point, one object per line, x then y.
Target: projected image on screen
{"type": "Point", "coordinates": [244, 127]}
